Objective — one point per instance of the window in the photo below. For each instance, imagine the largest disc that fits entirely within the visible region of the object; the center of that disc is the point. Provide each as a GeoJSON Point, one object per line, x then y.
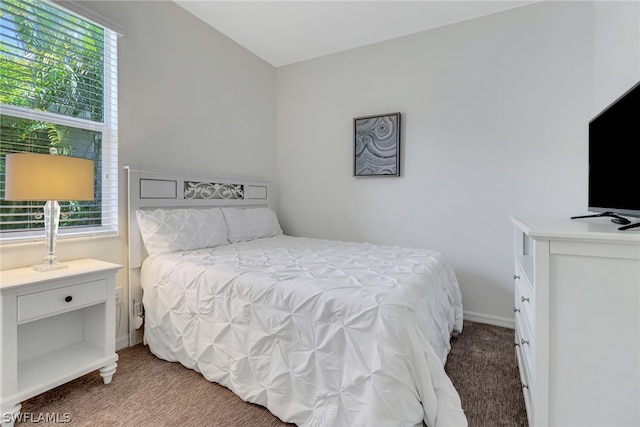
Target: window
{"type": "Point", "coordinates": [58, 89]}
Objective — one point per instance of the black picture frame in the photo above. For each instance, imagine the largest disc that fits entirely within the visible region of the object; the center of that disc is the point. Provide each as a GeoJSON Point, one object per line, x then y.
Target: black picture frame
{"type": "Point", "coordinates": [376, 142]}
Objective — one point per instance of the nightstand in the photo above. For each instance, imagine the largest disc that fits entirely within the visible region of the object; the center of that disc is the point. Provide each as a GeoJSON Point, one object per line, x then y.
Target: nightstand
{"type": "Point", "coordinates": [55, 326]}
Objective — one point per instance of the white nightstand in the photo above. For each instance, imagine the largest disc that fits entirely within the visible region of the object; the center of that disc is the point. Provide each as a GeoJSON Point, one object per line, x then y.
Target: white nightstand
{"type": "Point", "coordinates": [54, 327]}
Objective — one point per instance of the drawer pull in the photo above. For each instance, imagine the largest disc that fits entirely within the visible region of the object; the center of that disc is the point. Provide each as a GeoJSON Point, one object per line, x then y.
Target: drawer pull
{"type": "Point", "coordinates": [523, 299]}
{"type": "Point", "coordinates": [516, 277]}
{"type": "Point", "coordinates": [523, 341]}
{"type": "Point", "coordinates": [68, 299]}
{"type": "Point", "coordinates": [525, 386]}
{"type": "Point", "coordinates": [516, 310]}
{"type": "Point", "coordinates": [515, 344]}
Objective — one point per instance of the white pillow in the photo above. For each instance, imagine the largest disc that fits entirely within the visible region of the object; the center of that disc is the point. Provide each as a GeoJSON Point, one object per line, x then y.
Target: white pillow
{"type": "Point", "coordinates": [170, 230]}
{"type": "Point", "coordinates": [244, 224]}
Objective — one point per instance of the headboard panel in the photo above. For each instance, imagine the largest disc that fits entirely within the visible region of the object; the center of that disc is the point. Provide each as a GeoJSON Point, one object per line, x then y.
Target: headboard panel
{"type": "Point", "coordinates": [152, 189]}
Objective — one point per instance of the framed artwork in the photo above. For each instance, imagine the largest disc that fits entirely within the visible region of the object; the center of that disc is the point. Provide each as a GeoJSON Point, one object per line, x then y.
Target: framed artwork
{"type": "Point", "coordinates": [377, 145]}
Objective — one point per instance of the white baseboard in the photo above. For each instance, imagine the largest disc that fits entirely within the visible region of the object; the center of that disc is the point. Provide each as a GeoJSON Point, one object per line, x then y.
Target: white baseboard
{"type": "Point", "coordinates": [122, 342]}
{"type": "Point", "coordinates": [490, 320]}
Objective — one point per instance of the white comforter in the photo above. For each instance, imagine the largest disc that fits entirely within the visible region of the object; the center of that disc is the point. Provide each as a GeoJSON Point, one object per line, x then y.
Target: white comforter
{"type": "Point", "coordinates": [322, 333]}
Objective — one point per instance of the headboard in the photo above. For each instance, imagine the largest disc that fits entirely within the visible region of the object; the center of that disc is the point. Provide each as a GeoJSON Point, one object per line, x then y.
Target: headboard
{"type": "Point", "coordinates": [152, 189]}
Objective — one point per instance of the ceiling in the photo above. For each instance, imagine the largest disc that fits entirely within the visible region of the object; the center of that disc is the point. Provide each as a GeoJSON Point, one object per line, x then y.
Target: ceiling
{"type": "Point", "coordinates": [285, 32]}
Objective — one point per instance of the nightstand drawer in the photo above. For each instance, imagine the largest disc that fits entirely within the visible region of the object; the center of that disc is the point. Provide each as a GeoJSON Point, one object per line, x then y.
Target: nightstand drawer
{"type": "Point", "coordinates": [60, 300]}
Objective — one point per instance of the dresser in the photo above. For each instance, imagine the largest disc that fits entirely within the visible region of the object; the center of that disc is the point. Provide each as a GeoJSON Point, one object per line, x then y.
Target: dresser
{"type": "Point", "coordinates": [55, 326]}
{"type": "Point", "coordinates": [577, 317]}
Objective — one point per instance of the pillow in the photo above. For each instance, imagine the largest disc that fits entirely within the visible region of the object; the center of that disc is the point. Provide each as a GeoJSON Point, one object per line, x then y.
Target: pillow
{"type": "Point", "coordinates": [250, 223]}
{"type": "Point", "coordinates": [170, 230]}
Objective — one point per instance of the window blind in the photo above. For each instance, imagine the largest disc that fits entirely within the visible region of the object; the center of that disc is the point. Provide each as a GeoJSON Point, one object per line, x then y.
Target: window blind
{"type": "Point", "coordinates": [58, 89]}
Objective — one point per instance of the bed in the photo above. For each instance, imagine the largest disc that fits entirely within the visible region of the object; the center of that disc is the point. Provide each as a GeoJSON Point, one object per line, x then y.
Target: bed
{"type": "Point", "coordinates": [320, 332]}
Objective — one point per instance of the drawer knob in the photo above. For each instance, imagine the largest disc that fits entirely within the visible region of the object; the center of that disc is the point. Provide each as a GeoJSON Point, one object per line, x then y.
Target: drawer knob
{"type": "Point", "coordinates": [523, 299]}
{"type": "Point", "coordinates": [523, 341]}
{"type": "Point", "coordinates": [68, 299]}
{"type": "Point", "coordinates": [516, 277]}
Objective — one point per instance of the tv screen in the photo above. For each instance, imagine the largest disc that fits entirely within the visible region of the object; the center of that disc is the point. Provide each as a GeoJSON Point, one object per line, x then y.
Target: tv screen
{"type": "Point", "coordinates": [614, 157]}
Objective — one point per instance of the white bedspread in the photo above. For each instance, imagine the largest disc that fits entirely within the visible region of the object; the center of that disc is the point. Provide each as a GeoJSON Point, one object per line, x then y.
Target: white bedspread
{"type": "Point", "coordinates": [322, 333]}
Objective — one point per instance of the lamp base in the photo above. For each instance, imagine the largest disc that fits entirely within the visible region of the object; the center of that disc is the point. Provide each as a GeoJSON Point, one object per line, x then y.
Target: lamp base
{"type": "Point", "coordinates": [50, 267]}
{"type": "Point", "coordinates": [51, 221]}
{"type": "Point", "coordinates": [50, 264]}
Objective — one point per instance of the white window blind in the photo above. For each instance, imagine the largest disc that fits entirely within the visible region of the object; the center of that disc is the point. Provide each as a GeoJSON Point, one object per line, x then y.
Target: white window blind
{"type": "Point", "coordinates": [58, 88]}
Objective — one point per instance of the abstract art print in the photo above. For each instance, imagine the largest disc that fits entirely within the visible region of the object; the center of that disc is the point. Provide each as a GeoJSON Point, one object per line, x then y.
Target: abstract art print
{"type": "Point", "coordinates": [377, 145]}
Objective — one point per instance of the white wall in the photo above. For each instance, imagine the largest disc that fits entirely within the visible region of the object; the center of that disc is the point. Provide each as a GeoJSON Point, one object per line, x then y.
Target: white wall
{"type": "Point", "coordinates": [189, 99]}
{"type": "Point", "coordinates": [616, 50]}
{"type": "Point", "coordinates": [494, 113]}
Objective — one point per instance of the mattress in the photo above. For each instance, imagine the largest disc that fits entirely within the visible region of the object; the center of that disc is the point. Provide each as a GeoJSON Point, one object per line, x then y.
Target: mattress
{"type": "Point", "coordinates": [322, 333]}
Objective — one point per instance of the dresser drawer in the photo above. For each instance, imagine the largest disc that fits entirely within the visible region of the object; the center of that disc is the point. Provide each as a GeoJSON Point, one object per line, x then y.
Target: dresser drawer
{"type": "Point", "coordinates": [525, 346]}
{"type": "Point", "coordinates": [59, 300]}
{"type": "Point", "coordinates": [523, 299]}
{"type": "Point", "coordinates": [521, 277]}
{"type": "Point", "coordinates": [525, 377]}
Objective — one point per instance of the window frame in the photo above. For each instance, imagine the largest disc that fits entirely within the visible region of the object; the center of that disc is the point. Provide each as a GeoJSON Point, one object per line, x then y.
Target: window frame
{"type": "Point", "coordinates": [109, 155]}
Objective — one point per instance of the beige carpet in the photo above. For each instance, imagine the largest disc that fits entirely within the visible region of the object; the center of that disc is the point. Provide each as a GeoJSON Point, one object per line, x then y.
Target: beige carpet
{"type": "Point", "coordinates": [147, 391]}
{"type": "Point", "coordinates": [482, 365]}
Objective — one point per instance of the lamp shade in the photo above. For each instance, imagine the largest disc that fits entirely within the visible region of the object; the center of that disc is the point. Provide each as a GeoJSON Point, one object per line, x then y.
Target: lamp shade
{"type": "Point", "coordinates": [35, 177]}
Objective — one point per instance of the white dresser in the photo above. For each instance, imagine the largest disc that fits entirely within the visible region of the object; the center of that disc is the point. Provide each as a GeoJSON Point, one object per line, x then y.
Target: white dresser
{"type": "Point", "coordinates": [55, 326]}
{"type": "Point", "coordinates": [577, 313]}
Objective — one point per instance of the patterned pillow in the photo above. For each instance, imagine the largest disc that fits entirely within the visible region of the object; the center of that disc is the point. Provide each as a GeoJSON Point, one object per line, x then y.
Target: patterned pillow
{"type": "Point", "coordinates": [244, 224]}
{"type": "Point", "coordinates": [170, 230]}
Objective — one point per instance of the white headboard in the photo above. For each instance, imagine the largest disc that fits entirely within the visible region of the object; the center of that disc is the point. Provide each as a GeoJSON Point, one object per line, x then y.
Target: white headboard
{"type": "Point", "coordinates": [152, 189]}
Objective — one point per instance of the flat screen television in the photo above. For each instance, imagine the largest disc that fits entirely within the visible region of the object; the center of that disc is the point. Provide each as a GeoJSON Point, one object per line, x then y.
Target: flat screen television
{"type": "Point", "coordinates": [614, 159]}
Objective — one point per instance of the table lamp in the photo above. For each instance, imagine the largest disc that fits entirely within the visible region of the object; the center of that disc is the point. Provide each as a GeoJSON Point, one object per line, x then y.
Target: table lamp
{"type": "Point", "coordinates": [48, 177]}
